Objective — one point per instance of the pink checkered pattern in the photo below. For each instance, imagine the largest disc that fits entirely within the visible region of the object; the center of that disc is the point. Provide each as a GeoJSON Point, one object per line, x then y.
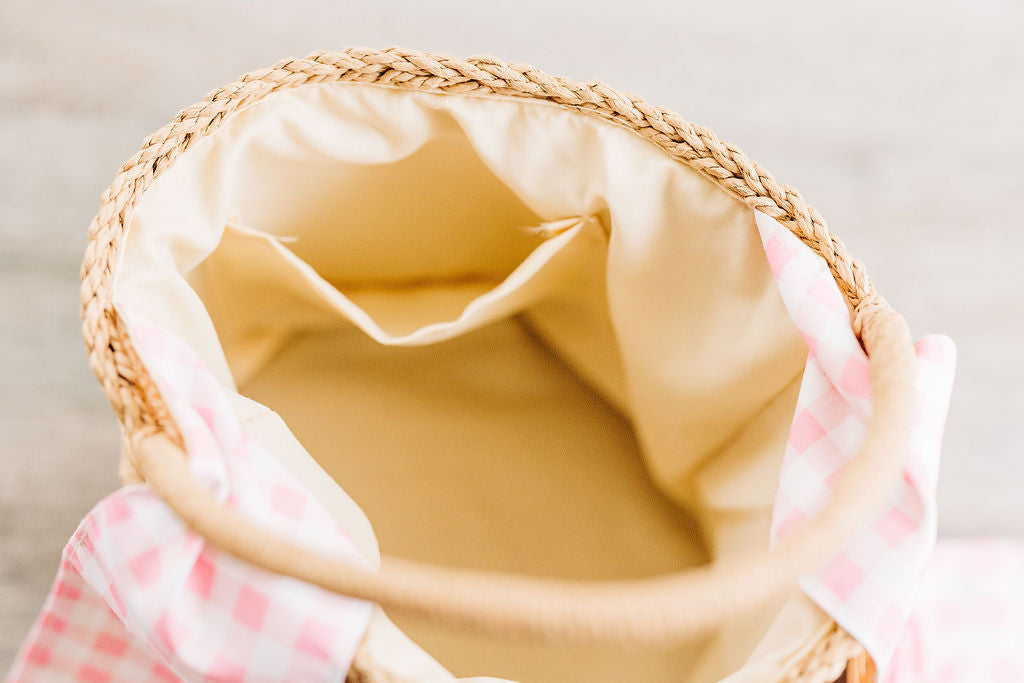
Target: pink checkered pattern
{"type": "Point", "coordinates": [78, 637]}
{"type": "Point", "coordinates": [968, 625]}
{"type": "Point", "coordinates": [141, 597]}
{"type": "Point", "coordinates": [869, 587]}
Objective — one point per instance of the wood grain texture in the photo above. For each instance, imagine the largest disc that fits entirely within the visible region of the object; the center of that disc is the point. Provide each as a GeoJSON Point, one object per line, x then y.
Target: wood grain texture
{"type": "Point", "coordinates": [899, 124]}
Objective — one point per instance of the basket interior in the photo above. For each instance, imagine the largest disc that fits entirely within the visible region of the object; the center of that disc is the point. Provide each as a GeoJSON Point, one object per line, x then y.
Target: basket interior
{"type": "Point", "coordinates": [518, 337]}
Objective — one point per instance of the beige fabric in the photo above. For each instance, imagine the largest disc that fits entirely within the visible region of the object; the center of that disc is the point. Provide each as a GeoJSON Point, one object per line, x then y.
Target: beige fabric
{"type": "Point", "coordinates": [403, 660]}
{"type": "Point", "coordinates": [781, 649]}
{"type": "Point", "coordinates": [521, 338]}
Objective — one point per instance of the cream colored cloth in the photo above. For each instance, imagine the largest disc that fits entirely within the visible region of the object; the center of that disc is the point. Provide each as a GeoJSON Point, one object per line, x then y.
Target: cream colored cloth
{"type": "Point", "coordinates": [519, 337]}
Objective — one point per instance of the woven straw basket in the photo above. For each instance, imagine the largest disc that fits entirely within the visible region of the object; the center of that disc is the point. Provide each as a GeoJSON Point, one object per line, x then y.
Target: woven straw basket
{"type": "Point", "coordinates": [654, 612]}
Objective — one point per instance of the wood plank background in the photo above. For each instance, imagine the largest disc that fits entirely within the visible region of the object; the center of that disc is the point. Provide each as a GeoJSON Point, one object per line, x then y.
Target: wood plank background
{"type": "Point", "coordinates": [901, 122]}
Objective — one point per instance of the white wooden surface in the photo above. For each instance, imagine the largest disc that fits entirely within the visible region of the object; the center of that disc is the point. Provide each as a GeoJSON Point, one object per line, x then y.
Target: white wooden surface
{"type": "Point", "coordinates": [901, 122]}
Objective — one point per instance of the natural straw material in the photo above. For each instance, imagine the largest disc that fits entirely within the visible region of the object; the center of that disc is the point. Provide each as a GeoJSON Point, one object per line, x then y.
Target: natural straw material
{"type": "Point", "coordinates": [658, 611]}
{"type": "Point", "coordinates": [833, 653]}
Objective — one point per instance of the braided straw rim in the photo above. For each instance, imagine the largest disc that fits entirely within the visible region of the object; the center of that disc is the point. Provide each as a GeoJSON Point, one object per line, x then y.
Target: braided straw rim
{"type": "Point", "coordinates": [657, 611]}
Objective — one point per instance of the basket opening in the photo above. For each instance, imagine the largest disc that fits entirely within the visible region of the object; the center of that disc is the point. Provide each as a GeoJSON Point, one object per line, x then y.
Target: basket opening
{"type": "Point", "coordinates": [519, 337]}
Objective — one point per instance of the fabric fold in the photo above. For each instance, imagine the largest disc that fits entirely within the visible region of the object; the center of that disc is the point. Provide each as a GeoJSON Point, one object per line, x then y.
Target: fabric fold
{"type": "Point", "coordinates": [870, 586]}
{"type": "Point", "coordinates": [152, 596]}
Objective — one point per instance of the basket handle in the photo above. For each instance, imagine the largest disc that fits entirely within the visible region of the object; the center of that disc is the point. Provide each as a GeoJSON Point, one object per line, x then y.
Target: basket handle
{"type": "Point", "coordinates": [657, 611]}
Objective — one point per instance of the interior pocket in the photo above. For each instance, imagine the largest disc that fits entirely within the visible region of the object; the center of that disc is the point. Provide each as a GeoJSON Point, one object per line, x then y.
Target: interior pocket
{"type": "Point", "coordinates": [259, 292]}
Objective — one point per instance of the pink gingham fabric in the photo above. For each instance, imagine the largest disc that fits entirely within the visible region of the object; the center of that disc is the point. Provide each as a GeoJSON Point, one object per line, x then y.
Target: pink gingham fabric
{"type": "Point", "coordinates": [870, 586]}
{"type": "Point", "coordinates": [78, 637]}
{"type": "Point", "coordinates": [141, 597]}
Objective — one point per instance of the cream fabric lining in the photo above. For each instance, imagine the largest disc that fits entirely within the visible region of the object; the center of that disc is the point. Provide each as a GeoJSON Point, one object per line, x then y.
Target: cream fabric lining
{"type": "Point", "coordinates": [520, 337]}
